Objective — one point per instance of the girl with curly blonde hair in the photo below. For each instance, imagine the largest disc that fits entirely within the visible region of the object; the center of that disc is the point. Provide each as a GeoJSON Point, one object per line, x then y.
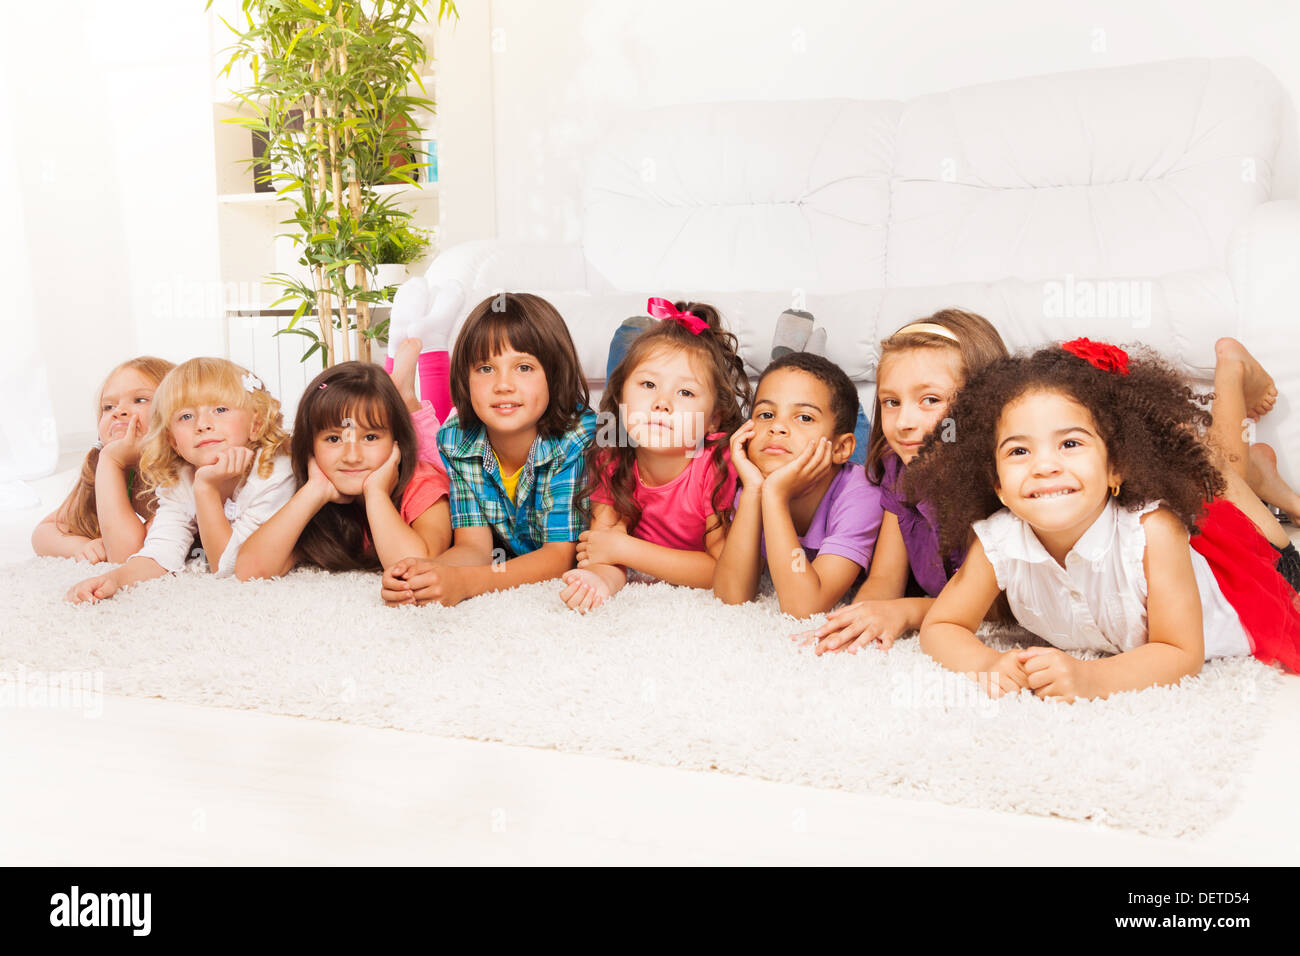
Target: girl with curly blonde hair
{"type": "Point", "coordinates": [216, 455]}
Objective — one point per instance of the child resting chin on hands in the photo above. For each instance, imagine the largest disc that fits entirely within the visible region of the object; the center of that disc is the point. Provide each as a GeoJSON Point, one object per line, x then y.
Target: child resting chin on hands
{"type": "Point", "coordinates": [802, 499]}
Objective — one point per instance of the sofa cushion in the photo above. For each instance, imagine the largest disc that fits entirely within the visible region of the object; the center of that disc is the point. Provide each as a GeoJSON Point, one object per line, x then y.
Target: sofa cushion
{"type": "Point", "coordinates": [1130, 171]}
{"type": "Point", "coordinates": [743, 196]}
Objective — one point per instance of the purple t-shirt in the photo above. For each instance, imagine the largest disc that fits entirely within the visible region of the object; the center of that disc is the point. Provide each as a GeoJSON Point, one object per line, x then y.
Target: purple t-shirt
{"type": "Point", "coordinates": [846, 521]}
{"type": "Point", "coordinates": [920, 529]}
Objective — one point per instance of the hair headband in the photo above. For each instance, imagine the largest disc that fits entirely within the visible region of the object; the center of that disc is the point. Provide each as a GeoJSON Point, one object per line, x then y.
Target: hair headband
{"type": "Point", "coordinates": [666, 311]}
{"type": "Point", "coordinates": [928, 328]}
{"type": "Point", "coordinates": [1102, 355]}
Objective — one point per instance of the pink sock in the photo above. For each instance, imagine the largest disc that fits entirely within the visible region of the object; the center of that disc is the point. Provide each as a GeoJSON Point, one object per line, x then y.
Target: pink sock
{"type": "Point", "coordinates": [435, 381]}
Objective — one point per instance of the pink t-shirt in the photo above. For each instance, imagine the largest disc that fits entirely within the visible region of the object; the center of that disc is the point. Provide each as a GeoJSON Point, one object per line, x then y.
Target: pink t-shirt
{"type": "Point", "coordinates": [675, 515]}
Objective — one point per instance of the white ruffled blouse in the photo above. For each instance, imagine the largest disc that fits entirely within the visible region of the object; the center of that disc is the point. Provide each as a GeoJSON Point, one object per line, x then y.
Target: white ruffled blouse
{"type": "Point", "coordinates": [1098, 601]}
{"type": "Point", "coordinates": [171, 537]}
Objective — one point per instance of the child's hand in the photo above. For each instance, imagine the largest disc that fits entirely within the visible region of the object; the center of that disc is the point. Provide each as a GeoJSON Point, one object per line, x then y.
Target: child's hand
{"type": "Point", "coordinates": [805, 470]}
{"type": "Point", "coordinates": [395, 588]}
{"type": "Point", "coordinates": [124, 452]}
{"type": "Point", "coordinates": [322, 486]}
{"type": "Point", "coordinates": [1004, 675]}
{"type": "Point", "coordinates": [423, 581]}
{"type": "Point", "coordinates": [383, 479]}
{"type": "Point", "coordinates": [93, 552]}
{"type": "Point", "coordinates": [1053, 673]}
{"type": "Point", "coordinates": [750, 477]}
{"type": "Point", "coordinates": [584, 590]}
{"type": "Point", "coordinates": [94, 589]}
{"type": "Point", "coordinates": [231, 464]}
{"type": "Point", "coordinates": [604, 546]}
{"type": "Point", "coordinates": [858, 625]}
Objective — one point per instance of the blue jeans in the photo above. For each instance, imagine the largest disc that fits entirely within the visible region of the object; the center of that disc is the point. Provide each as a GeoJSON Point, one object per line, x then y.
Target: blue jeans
{"type": "Point", "coordinates": [861, 431]}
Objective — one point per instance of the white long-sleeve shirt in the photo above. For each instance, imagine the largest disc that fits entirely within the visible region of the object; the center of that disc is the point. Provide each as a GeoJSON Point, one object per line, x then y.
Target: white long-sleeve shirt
{"type": "Point", "coordinates": [175, 523]}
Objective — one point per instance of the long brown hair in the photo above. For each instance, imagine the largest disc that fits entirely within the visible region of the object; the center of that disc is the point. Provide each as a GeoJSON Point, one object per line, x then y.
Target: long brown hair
{"type": "Point", "coordinates": [978, 344]}
{"type": "Point", "coordinates": [717, 349]}
{"type": "Point", "coordinates": [525, 323]}
{"type": "Point", "coordinates": [364, 394]}
{"type": "Point", "coordinates": [210, 381]}
{"type": "Point", "coordinates": [79, 512]}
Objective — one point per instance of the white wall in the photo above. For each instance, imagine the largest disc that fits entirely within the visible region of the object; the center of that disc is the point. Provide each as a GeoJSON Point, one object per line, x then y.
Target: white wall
{"type": "Point", "coordinates": [112, 114]}
{"type": "Point", "coordinates": [561, 69]}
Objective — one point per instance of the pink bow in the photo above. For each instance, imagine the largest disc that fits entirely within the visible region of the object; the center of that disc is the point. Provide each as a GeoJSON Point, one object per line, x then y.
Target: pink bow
{"type": "Point", "coordinates": [663, 309]}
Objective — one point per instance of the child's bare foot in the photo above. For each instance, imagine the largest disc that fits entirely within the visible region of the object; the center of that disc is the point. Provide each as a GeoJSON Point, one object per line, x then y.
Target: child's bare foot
{"type": "Point", "coordinates": [1259, 391]}
{"type": "Point", "coordinates": [404, 363]}
{"type": "Point", "coordinates": [1265, 480]}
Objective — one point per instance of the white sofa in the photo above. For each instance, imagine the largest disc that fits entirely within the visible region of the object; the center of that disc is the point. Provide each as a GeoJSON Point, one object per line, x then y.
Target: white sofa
{"type": "Point", "coordinates": [1151, 203]}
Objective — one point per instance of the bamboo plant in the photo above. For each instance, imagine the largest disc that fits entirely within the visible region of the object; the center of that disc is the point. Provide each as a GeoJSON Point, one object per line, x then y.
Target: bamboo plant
{"type": "Point", "coordinates": [329, 94]}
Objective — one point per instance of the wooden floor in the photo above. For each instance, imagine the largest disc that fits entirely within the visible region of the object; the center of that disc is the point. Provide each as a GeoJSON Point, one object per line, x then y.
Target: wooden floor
{"type": "Point", "coordinates": [155, 782]}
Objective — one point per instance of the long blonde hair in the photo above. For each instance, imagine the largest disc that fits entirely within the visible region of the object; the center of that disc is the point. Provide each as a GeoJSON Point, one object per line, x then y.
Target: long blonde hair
{"type": "Point", "coordinates": [210, 381]}
{"type": "Point", "coordinates": [79, 512]}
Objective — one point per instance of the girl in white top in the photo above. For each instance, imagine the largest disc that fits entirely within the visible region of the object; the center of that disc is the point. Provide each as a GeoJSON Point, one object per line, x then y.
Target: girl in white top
{"type": "Point", "coordinates": [1097, 462]}
{"type": "Point", "coordinates": [217, 454]}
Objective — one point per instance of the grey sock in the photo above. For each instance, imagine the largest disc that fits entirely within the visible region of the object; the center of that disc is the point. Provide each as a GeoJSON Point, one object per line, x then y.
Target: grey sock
{"type": "Point", "coordinates": [816, 343]}
{"type": "Point", "coordinates": [792, 331]}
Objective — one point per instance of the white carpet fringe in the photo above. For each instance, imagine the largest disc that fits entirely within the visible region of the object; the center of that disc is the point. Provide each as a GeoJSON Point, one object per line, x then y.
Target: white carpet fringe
{"type": "Point", "coordinates": [661, 675]}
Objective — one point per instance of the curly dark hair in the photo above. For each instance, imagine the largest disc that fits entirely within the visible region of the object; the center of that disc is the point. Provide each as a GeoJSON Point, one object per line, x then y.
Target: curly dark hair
{"type": "Point", "coordinates": [732, 395]}
{"type": "Point", "coordinates": [1149, 420]}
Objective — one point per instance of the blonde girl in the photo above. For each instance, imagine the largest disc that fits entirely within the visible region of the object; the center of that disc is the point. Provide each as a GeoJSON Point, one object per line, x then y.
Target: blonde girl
{"type": "Point", "coordinates": [216, 456]}
{"type": "Point", "coordinates": [106, 515]}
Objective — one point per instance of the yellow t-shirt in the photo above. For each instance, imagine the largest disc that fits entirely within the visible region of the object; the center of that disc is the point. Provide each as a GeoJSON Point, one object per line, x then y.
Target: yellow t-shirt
{"type": "Point", "coordinates": [510, 481]}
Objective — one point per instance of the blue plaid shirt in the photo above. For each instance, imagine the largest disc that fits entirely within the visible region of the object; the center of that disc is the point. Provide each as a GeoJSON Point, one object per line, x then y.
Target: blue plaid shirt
{"type": "Point", "coordinates": [543, 510]}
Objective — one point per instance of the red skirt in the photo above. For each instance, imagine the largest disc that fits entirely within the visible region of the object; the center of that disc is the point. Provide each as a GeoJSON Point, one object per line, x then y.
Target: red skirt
{"type": "Point", "coordinates": [1245, 565]}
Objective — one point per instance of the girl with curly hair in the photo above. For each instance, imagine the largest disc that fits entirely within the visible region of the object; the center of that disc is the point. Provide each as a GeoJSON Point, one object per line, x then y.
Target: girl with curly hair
{"type": "Point", "coordinates": [215, 452]}
{"type": "Point", "coordinates": [921, 367]}
{"type": "Point", "coordinates": [1098, 463]}
{"type": "Point", "coordinates": [659, 473]}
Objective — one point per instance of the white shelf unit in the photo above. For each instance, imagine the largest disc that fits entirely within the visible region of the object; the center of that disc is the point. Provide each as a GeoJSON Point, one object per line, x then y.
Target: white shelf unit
{"type": "Point", "coordinates": [250, 225]}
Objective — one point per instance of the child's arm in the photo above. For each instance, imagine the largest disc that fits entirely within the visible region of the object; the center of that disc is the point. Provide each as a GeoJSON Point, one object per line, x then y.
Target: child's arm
{"type": "Point", "coordinates": [948, 631]}
{"type": "Point", "coordinates": [209, 501]}
{"type": "Point", "coordinates": [121, 528]}
{"type": "Point", "coordinates": [423, 580]}
{"type": "Point", "coordinates": [879, 612]}
{"type": "Point", "coordinates": [802, 589]}
{"type": "Point", "coordinates": [736, 574]}
{"type": "Point", "coordinates": [428, 536]}
{"type": "Point", "coordinates": [50, 542]}
{"type": "Point", "coordinates": [588, 587]}
{"type": "Point", "coordinates": [269, 551]}
{"type": "Point", "coordinates": [692, 569]}
{"type": "Point", "coordinates": [1175, 645]}
{"type": "Point", "coordinates": [104, 586]}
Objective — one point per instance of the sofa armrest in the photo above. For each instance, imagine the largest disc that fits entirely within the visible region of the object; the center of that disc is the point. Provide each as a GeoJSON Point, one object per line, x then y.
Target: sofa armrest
{"type": "Point", "coordinates": [484, 266]}
{"type": "Point", "coordinates": [1264, 267]}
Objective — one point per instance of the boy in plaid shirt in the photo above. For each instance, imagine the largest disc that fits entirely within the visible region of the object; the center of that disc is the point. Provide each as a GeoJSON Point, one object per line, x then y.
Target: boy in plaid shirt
{"type": "Point", "coordinates": [514, 452]}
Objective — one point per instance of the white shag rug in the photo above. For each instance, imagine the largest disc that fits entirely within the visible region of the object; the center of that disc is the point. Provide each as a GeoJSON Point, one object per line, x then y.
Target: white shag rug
{"type": "Point", "coordinates": [661, 675]}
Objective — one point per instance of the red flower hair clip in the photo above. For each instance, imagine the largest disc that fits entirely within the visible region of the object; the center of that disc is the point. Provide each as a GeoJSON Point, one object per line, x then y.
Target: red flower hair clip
{"type": "Point", "coordinates": [1102, 355]}
{"type": "Point", "coordinates": [665, 310]}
